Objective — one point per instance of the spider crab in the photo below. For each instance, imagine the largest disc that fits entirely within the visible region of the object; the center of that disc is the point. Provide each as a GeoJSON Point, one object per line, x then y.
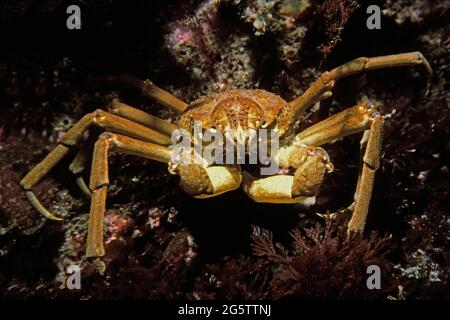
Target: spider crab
{"type": "Point", "coordinates": [132, 131]}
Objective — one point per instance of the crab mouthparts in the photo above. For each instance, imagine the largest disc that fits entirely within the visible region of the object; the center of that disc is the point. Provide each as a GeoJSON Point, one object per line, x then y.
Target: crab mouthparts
{"type": "Point", "coordinates": [246, 138]}
{"type": "Point", "coordinates": [240, 136]}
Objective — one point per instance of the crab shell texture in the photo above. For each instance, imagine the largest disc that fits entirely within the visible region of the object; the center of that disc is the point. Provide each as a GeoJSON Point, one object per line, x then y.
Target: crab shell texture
{"type": "Point", "coordinates": [237, 111]}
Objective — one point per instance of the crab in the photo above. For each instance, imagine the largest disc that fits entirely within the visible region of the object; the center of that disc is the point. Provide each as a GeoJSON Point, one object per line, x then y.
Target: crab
{"type": "Point", "coordinates": [300, 156]}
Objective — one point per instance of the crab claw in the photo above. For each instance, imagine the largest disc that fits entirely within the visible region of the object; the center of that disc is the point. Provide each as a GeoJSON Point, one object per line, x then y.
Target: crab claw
{"type": "Point", "coordinates": [310, 164]}
{"type": "Point", "coordinates": [205, 182]}
{"type": "Point", "coordinates": [273, 189]}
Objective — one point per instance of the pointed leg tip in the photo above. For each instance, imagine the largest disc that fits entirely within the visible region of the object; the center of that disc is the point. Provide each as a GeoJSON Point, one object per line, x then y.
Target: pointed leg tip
{"type": "Point", "coordinates": [39, 207]}
{"type": "Point", "coordinates": [53, 217]}
{"type": "Point", "coordinates": [83, 187]}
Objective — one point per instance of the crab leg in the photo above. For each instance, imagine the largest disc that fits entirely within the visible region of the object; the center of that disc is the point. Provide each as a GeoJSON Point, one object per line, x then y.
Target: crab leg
{"type": "Point", "coordinates": [370, 163]}
{"type": "Point", "coordinates": [99, 180]}
{"type": "Point", "coordinates": [113, 123]}
{"type": "Point", "coordinates": [347, 122]}
{"type": "Point", "coordinates": [72, 138]}
{"type": "Point", "coordinates": [78, 165]}
{"type": "Point", "coordinates": [148, 88]}
{"type": "Point", "coordinates": [350, 121]}
{"type": "Point", "coordinates": [322, 86]}
{"type": "Point", "coordinates": [310, 164]}
{"type": "Point", "coordinates": [123, 110]}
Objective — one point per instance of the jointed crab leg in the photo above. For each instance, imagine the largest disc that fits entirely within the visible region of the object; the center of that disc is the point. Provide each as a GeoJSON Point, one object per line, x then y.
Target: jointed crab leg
{"type": "Point", "coordinates": [325, 82]}
{"type": "Point", "coordinates": [370, 163]}
{"type": "Point", "coordinates": [389, 61]}
{"type": "Point", "coordinates": [123, 110]}
{"type": "Point", "coordinates": [114, 123]}
{"type": "Point", "coordinates": [309, 174]}
{"type": "Point", "coordinates": [349, 121]}
{"type": "Point", "coordinates": [36, 174]}
{"type": "Point", "coordinates": [99, 180]}
{"type": "Point", "coordinates": [72, 138]}
{"type": "Point", "coordinates": [148, 88]}
{"type": "Point", "coordinates": [78, 165]}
